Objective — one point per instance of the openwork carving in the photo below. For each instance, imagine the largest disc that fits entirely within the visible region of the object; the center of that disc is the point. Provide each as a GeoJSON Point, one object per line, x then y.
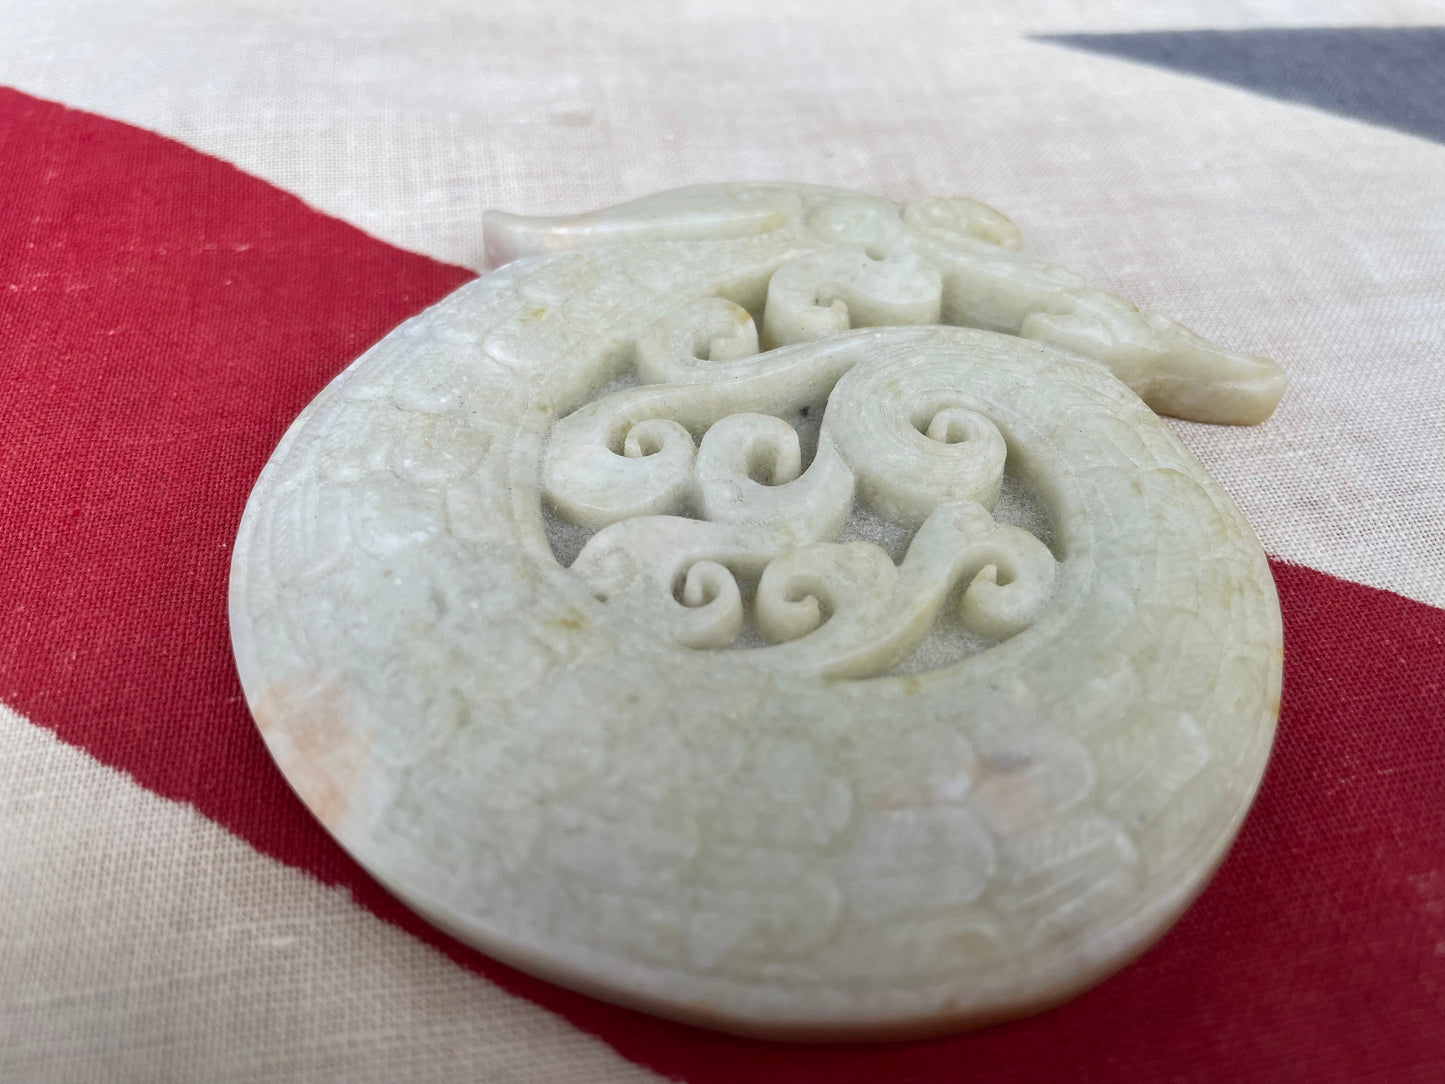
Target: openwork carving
{"type": "Point", "coordinates": [697, 481]}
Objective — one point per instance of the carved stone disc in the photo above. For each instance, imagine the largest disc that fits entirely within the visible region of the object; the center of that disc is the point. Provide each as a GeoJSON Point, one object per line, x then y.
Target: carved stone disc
{"type": "Point", "coordinates": [695, 612]}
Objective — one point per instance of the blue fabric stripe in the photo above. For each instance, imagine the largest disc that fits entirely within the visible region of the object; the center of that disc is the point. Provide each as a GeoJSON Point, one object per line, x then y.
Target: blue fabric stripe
{"type": "Point", "coordinates": [1392, 76]}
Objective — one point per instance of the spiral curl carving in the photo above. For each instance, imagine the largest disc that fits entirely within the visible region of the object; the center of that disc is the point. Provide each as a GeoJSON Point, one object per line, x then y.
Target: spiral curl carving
{"type": "Point", "coordinates": [696, 488]}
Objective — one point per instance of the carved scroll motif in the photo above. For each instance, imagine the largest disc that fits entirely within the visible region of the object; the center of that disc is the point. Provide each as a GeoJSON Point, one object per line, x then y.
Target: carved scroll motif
{"type": "Point", "coordinates": [696, 482]}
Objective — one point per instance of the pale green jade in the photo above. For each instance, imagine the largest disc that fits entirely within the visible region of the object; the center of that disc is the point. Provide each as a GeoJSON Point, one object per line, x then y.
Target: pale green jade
{"type": "Point", "coordinates": [774, 608]}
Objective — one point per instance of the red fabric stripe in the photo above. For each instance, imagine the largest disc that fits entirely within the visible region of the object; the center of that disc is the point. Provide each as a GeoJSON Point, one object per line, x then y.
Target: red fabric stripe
{"type": "Point", "coordinates": [164, 316]}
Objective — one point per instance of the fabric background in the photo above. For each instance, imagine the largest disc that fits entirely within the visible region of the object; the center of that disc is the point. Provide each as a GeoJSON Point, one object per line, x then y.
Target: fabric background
{"type": "Point", "coordinates": [208, 209]}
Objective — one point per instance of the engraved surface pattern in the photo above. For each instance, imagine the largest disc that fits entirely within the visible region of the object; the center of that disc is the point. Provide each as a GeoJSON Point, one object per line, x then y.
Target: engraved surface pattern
{"type": "Point", "coordinates": [798, 833]}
